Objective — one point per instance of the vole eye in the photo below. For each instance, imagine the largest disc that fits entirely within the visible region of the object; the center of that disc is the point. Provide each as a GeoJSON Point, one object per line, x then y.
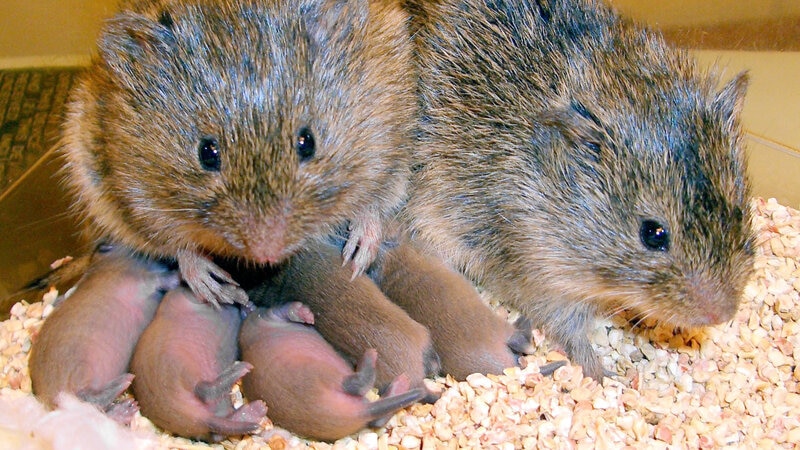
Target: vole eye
{"type": "Point", "coordinates": [165, 19]}
{"type": "Point", "coordinates": [654, 236]}
{"type": "Point", "coordinates": [305, 144]}
{"type": "Point", "coordinates": [209, 155]}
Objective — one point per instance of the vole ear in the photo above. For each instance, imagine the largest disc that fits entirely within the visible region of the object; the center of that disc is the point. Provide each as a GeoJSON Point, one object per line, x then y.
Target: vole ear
{"type": "Point", "coordinates": [335, 20]}
{"type": "Point", "coordinates": [130, 43]}
{"type": "Point", "coordinates": [579, 127]}
{"type": "Point", "coordinates": [730, 100]}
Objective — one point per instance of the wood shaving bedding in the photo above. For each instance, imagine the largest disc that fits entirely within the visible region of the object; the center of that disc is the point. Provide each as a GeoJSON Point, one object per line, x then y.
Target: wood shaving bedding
{"type": "Point", "coordinates": [734, 384]}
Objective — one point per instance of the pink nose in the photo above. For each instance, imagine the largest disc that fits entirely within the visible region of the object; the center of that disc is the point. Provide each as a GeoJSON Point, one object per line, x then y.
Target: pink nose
{"type": "Point", "coordinates": [714, 303]}
{"type": "Point", "coordinates": [266, 240]}
{"type": "Point", "coordinates": [268, 251]}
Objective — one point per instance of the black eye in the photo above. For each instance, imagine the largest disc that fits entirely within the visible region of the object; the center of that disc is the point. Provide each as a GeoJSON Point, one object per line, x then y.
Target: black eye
{"type": "Point", "coordinates": [654, 236]}
{"type": "Point", "coordinates": [208, 154]}
{"type": "Point", "coordinates": [165, 19]}
{"type": "Point", "coordinates": [305, 144]}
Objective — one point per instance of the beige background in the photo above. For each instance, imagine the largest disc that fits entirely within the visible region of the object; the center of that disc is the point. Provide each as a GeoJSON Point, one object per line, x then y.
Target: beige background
{"type": "Point", "coordinates": [697, 12]}
{"type": "Point", "coordinates": [50, 32]}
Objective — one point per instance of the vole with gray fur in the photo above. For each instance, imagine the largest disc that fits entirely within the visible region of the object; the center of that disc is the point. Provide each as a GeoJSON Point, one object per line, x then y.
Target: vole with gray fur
{"type": "Point", "coordinates": [295, 368]}
{"type": "Point", "coordinates": [185, 366]}
{"type": "Point", "coordinates": [573, 164]}
{"type": "Point", "coordinates": [242, 129]}
{"type": "Point", "coordinates": [353, 315]}
{"type": "Point", "coordinates": [467, 335]}
{"type": "Point", "coordinates": [85, 345]}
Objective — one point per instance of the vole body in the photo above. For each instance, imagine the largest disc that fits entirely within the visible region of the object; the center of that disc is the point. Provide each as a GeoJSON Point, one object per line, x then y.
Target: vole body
{"type": "Point", "coordinates": [85, 345]}
{"type": "Point", "coordinates": [242, 129]}
{"type": "Point", "coordinates": [467, 335]}
{"type": "Point", "coordinates": [353, 316]}
{"type": "Point", "coordinates": [571, 163]}
{"type": "Point", "coordinates": [185, 366]}
{"type": "Point", "coordinates": [295, 368]}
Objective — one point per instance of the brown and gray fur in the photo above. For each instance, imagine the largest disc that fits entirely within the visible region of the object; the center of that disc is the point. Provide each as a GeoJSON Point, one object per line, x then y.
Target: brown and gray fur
{"type": "Point", "coordinates": [555, 140]}
{"type": "Point", "coordinates": [310, 389]}
{"type": "Point", "coordinates": [353, 316]}
{"type": "Point", "coordinates": [242, 129]}
{"type": "Point", "coordinates": [185, 366]}
{"type": "Point", "coordinates": [85, 345]}
{"type": "Point", "coordinates": [467, 335]}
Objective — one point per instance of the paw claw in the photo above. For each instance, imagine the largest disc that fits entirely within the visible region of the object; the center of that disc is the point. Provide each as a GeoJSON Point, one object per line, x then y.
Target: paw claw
{"type": "Point", "coordinates": [209, 282]}
{"type": "Point", "coordinates": [363, 243]}
{"type": "Point", "coordinates": [349, 250]}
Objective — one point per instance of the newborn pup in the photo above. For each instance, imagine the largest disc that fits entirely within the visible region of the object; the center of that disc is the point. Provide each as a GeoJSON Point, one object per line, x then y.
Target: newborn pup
{"type": "Point", "coordinates": [309, 388]}
{"type": "Point", "coordinates": [353, 316]}
{"type": "Point", "coordinates": [85, 345]}
{"type": "Point", "coordinates": [243, 129]}
{"type": "Point", "coordinates": [573, 164]}
{"type": "Point", "coordinates": [185, 366]}
{"type": "Point", "coordinates": [467, 335]}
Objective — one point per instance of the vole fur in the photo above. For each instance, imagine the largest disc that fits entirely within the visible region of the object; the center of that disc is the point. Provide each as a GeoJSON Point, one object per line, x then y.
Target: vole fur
{"type": "Point", "coordinates": [242, 129]}
{"type": "Point", "coordinates": [573, 164]}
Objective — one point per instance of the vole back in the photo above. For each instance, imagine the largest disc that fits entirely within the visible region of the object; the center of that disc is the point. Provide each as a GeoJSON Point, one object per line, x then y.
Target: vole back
{"type": "Point", "coordinates": [570, 162]}
{"type": "Point", "coordinates": [242, 128]}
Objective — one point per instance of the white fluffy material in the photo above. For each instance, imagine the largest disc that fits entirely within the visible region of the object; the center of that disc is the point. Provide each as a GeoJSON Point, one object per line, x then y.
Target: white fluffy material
{"type": "Point", "coordinates": [25, 424]}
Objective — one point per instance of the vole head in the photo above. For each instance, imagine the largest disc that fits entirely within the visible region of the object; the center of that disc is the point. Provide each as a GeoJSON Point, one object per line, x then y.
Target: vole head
{"type": "Point", "coordinates": [653, 208]}
{"type": "Point", "coordinates": [594, 163]}
{"type": "Point", "coordinates": [242, 128]}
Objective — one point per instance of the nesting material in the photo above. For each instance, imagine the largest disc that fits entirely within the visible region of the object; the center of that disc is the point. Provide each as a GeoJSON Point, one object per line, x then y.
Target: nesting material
{"type": "Point", "coordinates": [735, 384]}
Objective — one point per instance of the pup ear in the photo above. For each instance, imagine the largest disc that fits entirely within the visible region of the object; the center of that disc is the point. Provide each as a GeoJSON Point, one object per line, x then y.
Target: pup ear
{"type": "Point", "coordinates": [729, 101]}
{"type": "Point", "coordinates": [131, 45]}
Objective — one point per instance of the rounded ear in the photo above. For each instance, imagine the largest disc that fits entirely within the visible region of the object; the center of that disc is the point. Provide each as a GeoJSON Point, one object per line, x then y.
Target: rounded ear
{"type": "Point", "coordinates": [730, 100]}
{"type": "Point", "coordinates": [581, 129]}
{"type": "Point", "coordinates": [130, 43]}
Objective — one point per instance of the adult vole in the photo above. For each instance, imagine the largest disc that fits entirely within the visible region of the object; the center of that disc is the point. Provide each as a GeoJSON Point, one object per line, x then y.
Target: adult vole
{"type": "Point", "coordinates": [573, 164]}
{"type": "Point", "coordinates": [242, 129]}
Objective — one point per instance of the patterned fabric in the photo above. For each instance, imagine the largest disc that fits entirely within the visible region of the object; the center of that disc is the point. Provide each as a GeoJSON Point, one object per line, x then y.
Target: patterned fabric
{"type": "Point", "coordinates": [31, 105]}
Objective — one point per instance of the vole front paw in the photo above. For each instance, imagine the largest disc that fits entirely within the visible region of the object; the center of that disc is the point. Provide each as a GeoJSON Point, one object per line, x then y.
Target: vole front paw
{"type": "Point", "coordinates": [208, 281]}
{"type": "Point", "coordinates": [520, 341]}
{"type": "Point", "coordinates": [363, 242]}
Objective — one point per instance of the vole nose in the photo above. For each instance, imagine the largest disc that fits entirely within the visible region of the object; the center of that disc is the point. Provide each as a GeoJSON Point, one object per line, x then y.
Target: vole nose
{"type": "Point", "coordinates": [715, 302]}
{"type": "Point", "coordinates": [266, 234]}
{"type": "Point", "coordinates": [266, 241]}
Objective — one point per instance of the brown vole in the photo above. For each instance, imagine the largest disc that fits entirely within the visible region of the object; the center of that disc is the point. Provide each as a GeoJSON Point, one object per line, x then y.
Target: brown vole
{"type": "Point", "coordinates": [572, 163]}
{"type": "Point", "coordinates": [467, 335]}
{"type": "Point", "coordinates": [310, 389]}
{"type": "Point", "coordinates": [85, 345]}
{"type": "Point", "coordinates": [353, 316]}
{"type": "Point", "coordinates": [242, 129]}
{"type": "Point", "coordinates": [185, 366]}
